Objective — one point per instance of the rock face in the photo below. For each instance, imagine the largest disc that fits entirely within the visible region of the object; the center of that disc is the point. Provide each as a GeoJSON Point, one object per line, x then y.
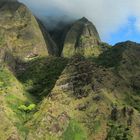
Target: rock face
{"type": "Point", "coordinates": [20, 34]}
{"type": "Point", "coordinates": [81, 38]}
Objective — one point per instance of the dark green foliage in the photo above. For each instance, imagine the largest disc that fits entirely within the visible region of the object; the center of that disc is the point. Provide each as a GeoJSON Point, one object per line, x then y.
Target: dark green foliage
{"type": "Point", "coordinates": [117, 131]}
{"type": "Point", "coordinates": [121, 57]}
{"type": "Point", "coordinates": [111, 57]}
{"type": "Point", "coordinates": [133, 100]}
{"type": "Point", "coordinates": [1, 40]}
{"type": "Point", "coordinates": [114, 113]}
{"type": "Point", "coordinates": [41, 74]}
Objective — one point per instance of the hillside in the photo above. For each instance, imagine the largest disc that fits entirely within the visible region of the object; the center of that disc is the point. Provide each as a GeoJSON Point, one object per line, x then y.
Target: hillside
{"type": "Point", "coordinates": [93, 100]}
{"type": "Point", "coordinates": [65, 83]}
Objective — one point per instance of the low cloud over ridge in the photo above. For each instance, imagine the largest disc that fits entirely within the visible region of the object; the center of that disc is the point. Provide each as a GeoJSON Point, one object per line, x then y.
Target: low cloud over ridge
{"type": "Point", "coordinates": [107, 15]}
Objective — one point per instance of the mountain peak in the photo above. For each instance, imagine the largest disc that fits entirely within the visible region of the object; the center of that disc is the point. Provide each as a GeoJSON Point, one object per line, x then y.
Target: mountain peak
{"type": "Point", "coordinates": [83, 34]}
{"type": "Point", "coordinates": [84, 19]}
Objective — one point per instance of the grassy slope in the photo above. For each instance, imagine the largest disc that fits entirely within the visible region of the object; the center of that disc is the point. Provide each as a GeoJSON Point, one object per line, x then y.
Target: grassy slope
{"type": "Point", "coordinates": [98, 97]}
{"type": "Point", "coordinates": [85, 100]}
{"type": "Point", "coordinates": [30, 86]}
{"type": "Point", "coordinates": [12, 95]}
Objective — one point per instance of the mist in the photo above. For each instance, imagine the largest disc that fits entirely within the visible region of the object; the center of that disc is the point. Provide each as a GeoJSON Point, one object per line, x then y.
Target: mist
{"type": "Point", "coordinates": [108, 16]}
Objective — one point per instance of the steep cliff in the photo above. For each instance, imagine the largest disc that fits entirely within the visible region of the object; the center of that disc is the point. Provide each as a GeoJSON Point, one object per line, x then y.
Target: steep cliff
{"type": "Point", "coordinates": [20, 34]}
{"type": "Point", "coordinates": [82, 38]}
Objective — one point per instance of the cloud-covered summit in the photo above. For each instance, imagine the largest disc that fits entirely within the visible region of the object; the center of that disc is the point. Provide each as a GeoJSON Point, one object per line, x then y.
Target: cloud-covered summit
{"type": "Point", "coordinates": [108, 15]}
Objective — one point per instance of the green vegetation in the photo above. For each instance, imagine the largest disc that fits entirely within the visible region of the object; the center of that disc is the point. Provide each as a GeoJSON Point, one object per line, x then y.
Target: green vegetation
{"type": "Point", "coordinates": [41, 74]}
{"type": "Point", "coordinates": [25, 108]}
{"type": "Point", "coordinates": [57, 98]}
{"type": "Point", "coordinates": [111, 57]}
{"type": "Point", "coordinates": [1, 40]}
{"type": "Point", "coordinates": [133, 100]}
{"type": "Point", "coordinates": [97, 126]}
{"type": "Point", "coordinates": [74, 132]}
{"type": "Point", "coordinates": [11, 95]}
{"type": "Point", "coordinates": [5, 77]}
{"type": "Point", "coordinates": [117, 131]}
{"type": "Point", "coordinates": [22, 113]}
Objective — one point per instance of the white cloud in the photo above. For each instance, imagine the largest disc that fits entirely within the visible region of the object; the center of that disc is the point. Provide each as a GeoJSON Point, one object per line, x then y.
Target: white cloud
{"type": "Point", "coordinates": [107, 15]}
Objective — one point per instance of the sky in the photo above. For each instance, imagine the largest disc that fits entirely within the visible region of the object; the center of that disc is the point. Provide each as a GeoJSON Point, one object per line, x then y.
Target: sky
{"type": "Point", "coordinates": [115, 20]}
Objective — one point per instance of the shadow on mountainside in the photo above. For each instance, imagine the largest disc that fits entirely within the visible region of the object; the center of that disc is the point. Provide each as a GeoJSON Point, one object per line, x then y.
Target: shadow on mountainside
{"type": "Point", "coordinates": [40, 75]}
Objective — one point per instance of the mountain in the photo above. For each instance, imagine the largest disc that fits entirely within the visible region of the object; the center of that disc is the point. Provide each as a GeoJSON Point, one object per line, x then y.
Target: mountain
{"type": "Point", "coordinates": [20, 35]}
{"type": "Point", "coordinates": [65, 83]}
{"type": "Point", "coordinates": [82, 38]}
{"type": "Point", "coordinates": [75, 37]}
{"type": "Point", "coordinates": [93, 99]}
